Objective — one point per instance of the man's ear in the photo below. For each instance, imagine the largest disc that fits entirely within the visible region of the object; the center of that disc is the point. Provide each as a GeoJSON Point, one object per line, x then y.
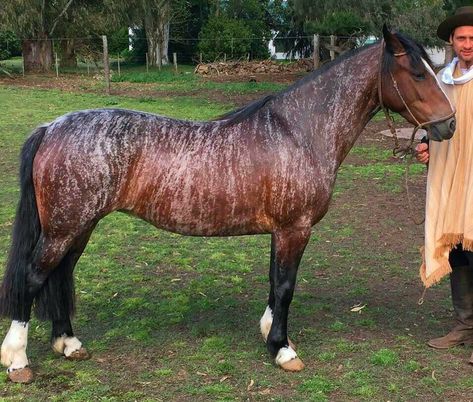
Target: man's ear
{"type": "Point", "coordinates": [450, 40]}
{"type": "Point", "coordinates": [393, 45]}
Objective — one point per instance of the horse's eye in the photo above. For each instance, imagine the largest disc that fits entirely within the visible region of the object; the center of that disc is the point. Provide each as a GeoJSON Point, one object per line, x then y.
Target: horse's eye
{"type": "Point", "coordinates": [419, 77]}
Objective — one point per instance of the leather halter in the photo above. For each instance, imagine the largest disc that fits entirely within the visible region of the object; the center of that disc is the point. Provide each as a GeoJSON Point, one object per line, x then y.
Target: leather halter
{"type": "Point", "coordinates": [398, 150]}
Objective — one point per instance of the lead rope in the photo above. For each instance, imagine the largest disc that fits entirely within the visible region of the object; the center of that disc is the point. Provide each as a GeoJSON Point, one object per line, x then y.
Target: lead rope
{"type": "Point", "coordinates": [398, 151]}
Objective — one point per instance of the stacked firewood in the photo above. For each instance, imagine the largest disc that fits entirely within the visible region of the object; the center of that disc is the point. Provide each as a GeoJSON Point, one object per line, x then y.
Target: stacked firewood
{"type": "Point", "coordinates": [253, 67]}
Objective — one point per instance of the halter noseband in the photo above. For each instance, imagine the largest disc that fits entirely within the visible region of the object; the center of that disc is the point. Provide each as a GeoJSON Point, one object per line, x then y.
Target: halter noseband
{"type": "Point", "coordinates": [398, 150]}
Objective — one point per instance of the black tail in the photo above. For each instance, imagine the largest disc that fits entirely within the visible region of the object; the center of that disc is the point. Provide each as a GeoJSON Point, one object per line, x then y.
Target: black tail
{"type": "Point", "coordinates": [26, 232]}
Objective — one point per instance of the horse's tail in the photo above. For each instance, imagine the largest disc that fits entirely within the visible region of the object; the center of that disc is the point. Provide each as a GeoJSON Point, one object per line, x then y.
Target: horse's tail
{"type": "Point", "coordinates": [26, 232]}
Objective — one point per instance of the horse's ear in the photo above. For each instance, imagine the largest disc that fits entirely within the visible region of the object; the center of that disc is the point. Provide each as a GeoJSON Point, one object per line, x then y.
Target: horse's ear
{"type": "Point", "coordinates": [393, 45]}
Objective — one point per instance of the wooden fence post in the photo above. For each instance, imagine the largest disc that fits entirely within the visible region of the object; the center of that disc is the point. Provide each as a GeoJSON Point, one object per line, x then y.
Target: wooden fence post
{"type": "Point", "coordinates": [57, 65]}
{"type": "Point", "coordinates": [106, 65]}
{"type": "Point", "coordinates": [333, 39]}
{"type": "Point", "coordinates": [316, 55]}
{"type": "Point", "coordinates": [174, 59]}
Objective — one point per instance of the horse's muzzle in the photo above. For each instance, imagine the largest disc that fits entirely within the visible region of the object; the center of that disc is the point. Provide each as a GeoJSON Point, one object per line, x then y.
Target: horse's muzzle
{"type": "Point", "coordinates": [443, 130]}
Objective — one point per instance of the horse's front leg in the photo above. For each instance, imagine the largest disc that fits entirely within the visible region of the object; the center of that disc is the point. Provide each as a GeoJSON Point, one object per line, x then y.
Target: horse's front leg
{"type": "Point", "coordinates": [287, 247]}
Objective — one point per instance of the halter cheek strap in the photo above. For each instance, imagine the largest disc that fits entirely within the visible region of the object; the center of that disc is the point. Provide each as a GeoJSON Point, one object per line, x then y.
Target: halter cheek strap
{"type": "Point", "coordinates": [398, 151]}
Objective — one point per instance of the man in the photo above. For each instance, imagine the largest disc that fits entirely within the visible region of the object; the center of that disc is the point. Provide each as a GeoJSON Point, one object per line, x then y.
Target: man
{"type": "Point", "coordinates": [449, 202]}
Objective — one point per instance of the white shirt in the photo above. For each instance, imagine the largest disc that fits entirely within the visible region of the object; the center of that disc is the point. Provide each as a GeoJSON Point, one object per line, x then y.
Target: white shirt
{"type": "Point", "coordinates": [447, 76]}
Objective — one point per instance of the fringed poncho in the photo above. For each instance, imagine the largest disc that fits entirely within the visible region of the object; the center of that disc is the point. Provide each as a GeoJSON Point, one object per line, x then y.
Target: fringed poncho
{"type": "Point", "coordinates": [449, 200]}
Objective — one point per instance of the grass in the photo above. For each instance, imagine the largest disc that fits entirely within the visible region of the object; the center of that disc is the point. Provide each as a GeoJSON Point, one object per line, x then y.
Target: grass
{"type": "Point", "coordinates": [176, 318]}
{"type": "Point", "coordinates": [186, 80]}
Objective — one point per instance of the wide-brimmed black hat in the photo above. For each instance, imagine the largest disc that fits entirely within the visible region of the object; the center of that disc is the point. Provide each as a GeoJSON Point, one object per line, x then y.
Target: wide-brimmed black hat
{"type": "Point", "coordinates": [463, 16]}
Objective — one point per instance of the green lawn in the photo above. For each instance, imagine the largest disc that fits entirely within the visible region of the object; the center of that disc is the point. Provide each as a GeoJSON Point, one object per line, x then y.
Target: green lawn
{"type": "Point", "coordinates": [173, 318]}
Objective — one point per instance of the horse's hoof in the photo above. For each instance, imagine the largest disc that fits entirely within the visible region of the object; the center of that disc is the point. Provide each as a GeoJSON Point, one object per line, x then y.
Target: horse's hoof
{"type": "Point", "coordinates": [80, 354]}
{"type": "Point", "coordinates": [293, 365]}
{"type": "Point", "coordinates": [22, 376]}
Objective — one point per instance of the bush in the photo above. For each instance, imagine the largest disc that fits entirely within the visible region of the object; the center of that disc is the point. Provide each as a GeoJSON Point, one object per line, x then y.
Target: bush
{"type": "Point", "coordinates": [118, 41]}
{"type": "Point", "coordinates": [9, 45]}
{"type": "Point", "coordinates": [137, 55]}
{"type": "Point", "coordinates": [223, 35]}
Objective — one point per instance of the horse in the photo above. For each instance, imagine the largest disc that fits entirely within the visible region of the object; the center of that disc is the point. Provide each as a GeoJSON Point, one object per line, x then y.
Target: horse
{"type": "Point", "coordinates": [266, 168]}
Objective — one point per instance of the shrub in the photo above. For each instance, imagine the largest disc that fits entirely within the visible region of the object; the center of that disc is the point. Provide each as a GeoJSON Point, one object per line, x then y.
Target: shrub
{"type": "Point", "coordinates": [9, 45]}
{"type": "Point", "coordinates": [223, 35]}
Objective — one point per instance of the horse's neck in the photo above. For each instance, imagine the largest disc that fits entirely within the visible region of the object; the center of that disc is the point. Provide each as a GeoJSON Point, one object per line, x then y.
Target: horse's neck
{"type": "Point", "coordinates": [338, 104]}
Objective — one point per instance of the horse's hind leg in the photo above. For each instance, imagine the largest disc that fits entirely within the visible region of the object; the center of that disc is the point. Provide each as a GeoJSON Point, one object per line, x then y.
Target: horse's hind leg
{"type": "Point", "coordinates": [267, 318]}
{"type": "Point", "coordinates": [26, 287]}
{"type": "Point", "coordinates": [55, 302]}
{"type": "Point", "coordinates": [288, 247]}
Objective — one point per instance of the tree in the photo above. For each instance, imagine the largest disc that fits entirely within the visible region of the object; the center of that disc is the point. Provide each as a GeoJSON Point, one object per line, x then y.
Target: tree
{"type": "Point", "coordinates": [254, 14]}
{"type": "Point", "coordinates": [84, 19]}
{"type": "Point", "coordinates": [35, 22]}
{"type": "Point", "coordinates": [237, 27]}
{"type": "Point", "coordinates": [344, 18]}
{"type": "Point", "coordinates": [156, 17]}
{"type": "Point", "coordinates": [222, 35]}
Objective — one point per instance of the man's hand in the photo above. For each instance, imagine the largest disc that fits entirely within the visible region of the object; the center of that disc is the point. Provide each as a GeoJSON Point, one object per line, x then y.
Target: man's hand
{"type": "Point", "coordinates": [422, 152]}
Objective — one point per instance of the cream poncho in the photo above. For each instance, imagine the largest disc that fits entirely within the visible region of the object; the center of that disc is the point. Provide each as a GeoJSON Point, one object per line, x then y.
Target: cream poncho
{"type": "Point", "coordinates": [449, 201]}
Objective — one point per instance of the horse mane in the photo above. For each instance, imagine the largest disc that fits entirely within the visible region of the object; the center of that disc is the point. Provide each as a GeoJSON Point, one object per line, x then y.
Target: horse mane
{"type": "Point", "coordinates": [237, 115]}
{"type": "Point", "coordinates": [415, 51]}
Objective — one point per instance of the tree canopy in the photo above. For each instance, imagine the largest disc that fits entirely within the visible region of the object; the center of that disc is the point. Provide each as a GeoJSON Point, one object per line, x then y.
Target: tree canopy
{"type": "Point", "coordinates": [217, 27]}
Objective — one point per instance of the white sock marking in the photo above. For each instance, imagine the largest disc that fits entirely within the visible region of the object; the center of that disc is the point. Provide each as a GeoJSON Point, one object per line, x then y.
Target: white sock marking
{"type": "Point", "coordinates": [72, 345]}
{"type": "Point", "coordinates": [59, 345]}
{"type": "Point", "coordinates": [14, 346]}
{"type": "Point", "coordinates": [284, 355]}
{"type": "Point", "coordinates": [66, 345]}
{"type": "Point", "coordinates": [266, 322]}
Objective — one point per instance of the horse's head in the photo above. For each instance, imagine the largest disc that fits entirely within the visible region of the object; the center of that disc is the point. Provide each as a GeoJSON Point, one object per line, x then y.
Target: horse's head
{"type": "Point", "coordinates": [408, 86]}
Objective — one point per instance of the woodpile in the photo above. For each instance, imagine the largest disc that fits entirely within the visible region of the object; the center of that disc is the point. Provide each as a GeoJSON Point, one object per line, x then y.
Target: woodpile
{"type": "Point", "coordinates": [253, 67]}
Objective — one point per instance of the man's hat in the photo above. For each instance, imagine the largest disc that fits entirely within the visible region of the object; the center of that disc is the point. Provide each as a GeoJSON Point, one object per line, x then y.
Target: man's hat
{"type": "Point", "coordinates": [463, 16]}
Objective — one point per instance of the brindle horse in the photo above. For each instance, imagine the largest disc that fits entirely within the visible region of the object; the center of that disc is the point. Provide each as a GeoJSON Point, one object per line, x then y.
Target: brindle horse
{"type": "Point", "coordinates": [269, 167]}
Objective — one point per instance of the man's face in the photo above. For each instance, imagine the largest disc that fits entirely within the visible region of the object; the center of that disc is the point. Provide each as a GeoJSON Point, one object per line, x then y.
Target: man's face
{"type": "Point", "coordinates": [462, 41]}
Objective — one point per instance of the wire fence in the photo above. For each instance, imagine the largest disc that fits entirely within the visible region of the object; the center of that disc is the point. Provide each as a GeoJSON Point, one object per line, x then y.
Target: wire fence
{"type": "Point", "coordinates": [86, 55]}
{"type": "Point", "coordinates": [106, 59]}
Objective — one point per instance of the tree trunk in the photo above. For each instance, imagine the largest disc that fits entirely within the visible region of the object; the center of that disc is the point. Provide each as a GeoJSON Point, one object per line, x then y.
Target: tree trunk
{"type": "Point", "coordinates": [448, 54]}
{"type": "Point", "coordinates": [37, 54]}
{"type": "Point", "coordinates": [152, 57]}
{"type": "Point", "coordinates": [68, 53]}
{"type": "Point", "coordinates": [162, 44]}
{"type": "Point", "coordinates": [158, 41]}
{"type": "Point", "coordinates": [157, 34]}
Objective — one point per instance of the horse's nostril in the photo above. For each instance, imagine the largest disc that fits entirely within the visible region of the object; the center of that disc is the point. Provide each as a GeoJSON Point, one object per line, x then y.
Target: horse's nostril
{"type": "Point", "coordinates": [453, 125]}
